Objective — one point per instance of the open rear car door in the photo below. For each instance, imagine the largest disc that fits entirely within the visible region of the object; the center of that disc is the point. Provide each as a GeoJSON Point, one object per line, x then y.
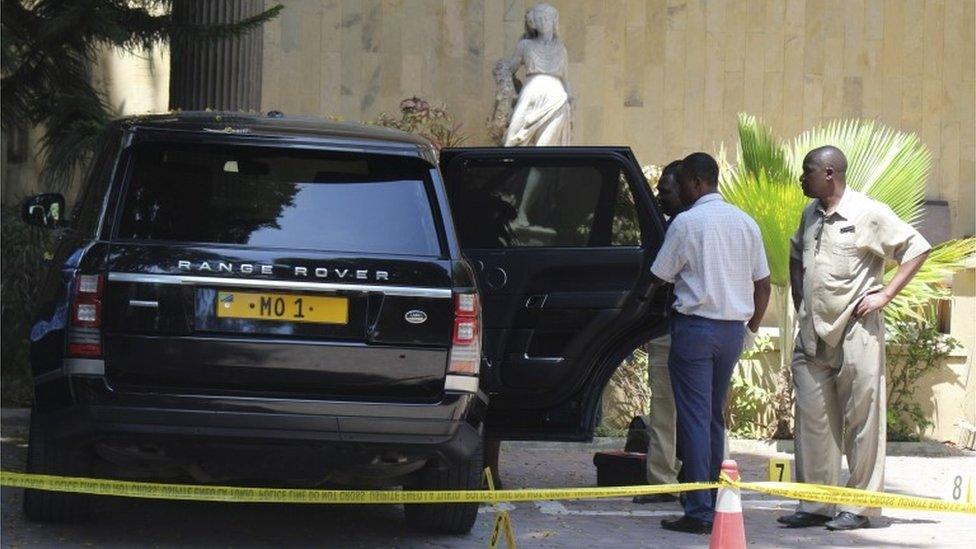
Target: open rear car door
{"type": "Point", "coordinates": [562, 239]}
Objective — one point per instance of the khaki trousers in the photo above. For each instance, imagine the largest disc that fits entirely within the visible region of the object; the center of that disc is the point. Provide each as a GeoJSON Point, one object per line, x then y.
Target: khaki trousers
{"type": "Point", "coordinates": [662, 461]}
{"type": "Point", "coordinates": [840, 407]}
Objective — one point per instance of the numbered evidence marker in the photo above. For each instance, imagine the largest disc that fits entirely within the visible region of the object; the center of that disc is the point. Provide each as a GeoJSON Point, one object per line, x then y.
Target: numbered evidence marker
{"type": "Point", "coordinates": [503, 524]}
{"type": "Point", "coordinates": [779, 470]}
{"type": "Point", "coordinates": [962, 489]}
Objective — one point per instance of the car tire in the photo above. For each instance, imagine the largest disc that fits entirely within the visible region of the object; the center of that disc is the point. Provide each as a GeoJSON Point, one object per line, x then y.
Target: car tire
{"type": "Point", "coordinates": [447, 518]}
{"type": "Point", "coordinates": [46, 457]}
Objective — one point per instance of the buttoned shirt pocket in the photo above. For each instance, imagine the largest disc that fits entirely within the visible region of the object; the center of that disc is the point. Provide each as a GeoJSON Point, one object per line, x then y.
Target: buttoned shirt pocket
{"type": "Point", "coordinates": [843, 255]}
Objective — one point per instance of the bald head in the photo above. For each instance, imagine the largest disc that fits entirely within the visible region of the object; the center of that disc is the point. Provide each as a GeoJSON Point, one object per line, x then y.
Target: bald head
{"type": "Point", "coordinates": [824, 172]}
{"type": "Point", "coordinates": [830, 156]}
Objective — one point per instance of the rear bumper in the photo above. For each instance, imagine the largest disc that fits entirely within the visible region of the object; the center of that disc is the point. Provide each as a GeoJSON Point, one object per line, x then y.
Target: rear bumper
{"type": "Point", "coordinates": [449, 429]}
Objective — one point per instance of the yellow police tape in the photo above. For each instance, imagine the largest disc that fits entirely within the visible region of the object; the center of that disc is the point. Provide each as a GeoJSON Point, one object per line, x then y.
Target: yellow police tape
{"type": "Point", "coordinates": [857, 498]}
{"type": "Point", "coordinates": [243, 494]}
{"type": "Point", "coordinates": [152, 490]}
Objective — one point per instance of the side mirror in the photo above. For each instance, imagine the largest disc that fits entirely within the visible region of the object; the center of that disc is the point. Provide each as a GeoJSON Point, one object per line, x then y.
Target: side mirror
{"type": "Point", "coordinates": [44, 210]}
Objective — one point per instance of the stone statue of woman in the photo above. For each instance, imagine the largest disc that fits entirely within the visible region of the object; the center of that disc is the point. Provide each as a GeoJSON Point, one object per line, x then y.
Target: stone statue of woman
{"type": "Point", "coordinates": [543, 114]}
{"type": "Point", "coordinates": [542, 117]}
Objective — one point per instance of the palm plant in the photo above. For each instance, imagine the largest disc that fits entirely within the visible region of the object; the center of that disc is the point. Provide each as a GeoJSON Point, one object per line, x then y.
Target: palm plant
{"type": "Point", "coordinates": [887, 165]}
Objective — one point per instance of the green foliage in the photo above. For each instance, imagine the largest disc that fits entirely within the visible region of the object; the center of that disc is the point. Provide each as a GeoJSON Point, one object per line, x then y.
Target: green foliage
{"type": "Point", "coordinates": [928, 285]}
{"type": "Point", "coordinates": [762, 344]}
{"type": "Point", "coordinates": [47, 49]}
{"type": "Point", "coordinates": [433, 123]}
{"type": "Point", "coordinates": [24, 249]}
{"type": "Point", "coordinates": [627, 393]}
{"type": "Point", "coordinates": [750, 400]}
{"type": "Point", "coordinates": [75, 127]}
{"type": "Point", "coordinates": [774, 206]}
{"type": "Point", "coordinates": [761, 152]}
{"type": "Point", "coordinates": [887, 165]}
{"type": "Point", "coordinates": [613, 432]}
{"type": "Point", "coordinates": [915, 349]}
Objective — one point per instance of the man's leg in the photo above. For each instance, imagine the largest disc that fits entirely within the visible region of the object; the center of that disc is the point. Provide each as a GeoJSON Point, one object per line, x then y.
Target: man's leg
{"type": "Point", "coordinates": [729, 344]}
{"type": "Point", "coordinates": [690, 366]}
{"type": "Point", "coordinates": [818, 426]}
{"type": "Point", "coordinates": [662, 460]}
{"type": "Point", "coordinates": [861, 391]}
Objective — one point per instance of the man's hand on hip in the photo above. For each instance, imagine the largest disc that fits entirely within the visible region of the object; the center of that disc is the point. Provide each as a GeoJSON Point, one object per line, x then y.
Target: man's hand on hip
{"type": "Point", "coordinates": [874, 301]}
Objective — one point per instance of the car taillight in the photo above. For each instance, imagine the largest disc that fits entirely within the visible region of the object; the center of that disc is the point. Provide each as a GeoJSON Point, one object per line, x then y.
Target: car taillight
{"type": "Point", "coordinates": [466, 338]}
{"type": "Point", "coordinates": [84, 333]}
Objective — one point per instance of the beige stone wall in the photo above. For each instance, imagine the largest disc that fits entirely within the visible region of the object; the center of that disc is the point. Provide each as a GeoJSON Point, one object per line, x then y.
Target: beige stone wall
{"type": "Point", "coordinates": [666, 77]}
{"type": "Point", "coordinates": [135, 82]}
{"type": "Point", "coordinates": [952, 397]}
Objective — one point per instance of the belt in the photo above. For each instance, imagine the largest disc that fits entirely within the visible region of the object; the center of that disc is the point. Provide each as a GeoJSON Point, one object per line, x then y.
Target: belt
{"type": "Point", "coordinates": [676, 314]}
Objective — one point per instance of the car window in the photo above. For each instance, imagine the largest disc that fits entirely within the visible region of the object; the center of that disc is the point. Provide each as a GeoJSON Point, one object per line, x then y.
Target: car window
{"type": "Point", "coordinates": [280, 199]}
{"type": "Point", "coordinates": [626, 224]}
{"type": "Point", "coordinates": [507, 203]}
{"type": "Point", "coordinates": [87, 210]}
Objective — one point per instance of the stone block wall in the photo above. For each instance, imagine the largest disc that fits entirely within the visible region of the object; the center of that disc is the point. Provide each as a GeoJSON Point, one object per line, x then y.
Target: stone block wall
{"type": "Point", "coordinates": [666, 77]}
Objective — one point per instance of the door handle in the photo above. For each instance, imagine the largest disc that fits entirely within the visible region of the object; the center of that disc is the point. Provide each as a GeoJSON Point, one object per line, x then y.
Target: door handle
{"type": "Point", "coordinates": [536, 301]}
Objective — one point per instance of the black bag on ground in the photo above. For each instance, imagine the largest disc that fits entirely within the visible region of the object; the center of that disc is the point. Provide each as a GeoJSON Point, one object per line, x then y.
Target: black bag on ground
{"type": "Point", "coordinates": [637, 439]}
{"type": "Point", "coordinates": [618, 468]}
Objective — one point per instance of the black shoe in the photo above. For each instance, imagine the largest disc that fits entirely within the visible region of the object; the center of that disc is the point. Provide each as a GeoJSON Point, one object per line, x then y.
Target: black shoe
{"type": "Point", "coordinates": [687, 524]}
{"type": "Point", "coordinates": [848, 521]}
{"type": "Point", "coordinates": [655, 498]}
{"type": "Point", "coordinates": [802, 519]}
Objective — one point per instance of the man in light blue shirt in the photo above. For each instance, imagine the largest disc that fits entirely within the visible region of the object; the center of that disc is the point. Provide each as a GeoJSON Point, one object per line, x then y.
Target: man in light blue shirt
{"type": "Point", "coordinates": [713, 254]}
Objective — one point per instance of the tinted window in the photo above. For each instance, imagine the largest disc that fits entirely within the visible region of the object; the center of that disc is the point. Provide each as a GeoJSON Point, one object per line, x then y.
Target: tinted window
{"type": "Point", "coordinates": [88, 208]}
{"type": "Point", "coordinates": [626, 224]}
{"type": "Point", "coordinates": [283, 199]}
{"type": "Point", "coordinates": [504, 203]}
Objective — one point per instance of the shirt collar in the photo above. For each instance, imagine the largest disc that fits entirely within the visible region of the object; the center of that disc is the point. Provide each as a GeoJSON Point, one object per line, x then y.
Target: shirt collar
{"type": "Point", "coordinates": [846, 206]}
{"type": "Point", "coordinates": [710, 197]}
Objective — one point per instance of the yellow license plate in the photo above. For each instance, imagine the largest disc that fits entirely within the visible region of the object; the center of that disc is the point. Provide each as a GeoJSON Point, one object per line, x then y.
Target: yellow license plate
{"type": "Point", "coordinates": [283, 307]}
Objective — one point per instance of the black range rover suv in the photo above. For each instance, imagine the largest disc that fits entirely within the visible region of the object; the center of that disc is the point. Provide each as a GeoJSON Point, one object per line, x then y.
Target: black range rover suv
{"type": "Point", "coordinates": [290, 302]}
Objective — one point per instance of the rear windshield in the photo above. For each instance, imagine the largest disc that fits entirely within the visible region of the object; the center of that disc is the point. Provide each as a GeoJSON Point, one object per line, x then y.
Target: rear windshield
{"type": "Point", "coordinates": [279, 198]}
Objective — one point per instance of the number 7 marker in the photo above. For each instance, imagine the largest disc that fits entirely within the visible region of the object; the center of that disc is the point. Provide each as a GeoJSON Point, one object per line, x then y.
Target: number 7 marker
{"type": "Point", "coordinates": [779, 470]}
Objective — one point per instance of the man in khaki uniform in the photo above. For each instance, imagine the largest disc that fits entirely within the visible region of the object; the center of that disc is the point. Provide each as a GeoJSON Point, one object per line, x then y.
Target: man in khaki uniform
{"type": "Point", "coordinates": [662, 457]}
{"type": "Point", "coordinates": [837, 263]}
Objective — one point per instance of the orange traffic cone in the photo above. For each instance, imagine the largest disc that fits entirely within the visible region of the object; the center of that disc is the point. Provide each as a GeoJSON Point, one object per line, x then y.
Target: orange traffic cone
{"type": "Point", "coordinates": [728, 531]}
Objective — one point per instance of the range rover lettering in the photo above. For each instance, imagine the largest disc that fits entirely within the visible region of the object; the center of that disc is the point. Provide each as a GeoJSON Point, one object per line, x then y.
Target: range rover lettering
{"type": "Point", "coordinates": [297, 271]}
{"type": "Point", "coordinates": [300, 303]}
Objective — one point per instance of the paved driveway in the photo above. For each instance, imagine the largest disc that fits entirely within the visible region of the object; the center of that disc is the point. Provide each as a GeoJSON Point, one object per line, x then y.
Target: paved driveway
{"type": "Point", "coordinates": [602, 523]}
